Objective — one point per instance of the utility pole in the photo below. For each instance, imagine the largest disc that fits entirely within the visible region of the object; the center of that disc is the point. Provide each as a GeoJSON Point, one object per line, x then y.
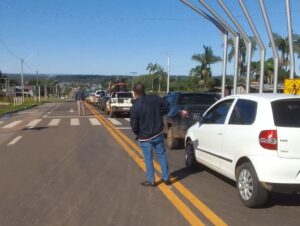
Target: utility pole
{"type": "Point", "coordinates": [22, 79]}
{"type": "Point", "coordinates": [37, 86]}
{"type": "Point", "coordinates": [45, 89]}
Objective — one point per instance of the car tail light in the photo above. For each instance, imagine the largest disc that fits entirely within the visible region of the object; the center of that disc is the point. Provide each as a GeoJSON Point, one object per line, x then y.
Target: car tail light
{"type": "Point", "coordinates": [268, 139]}
{"type": "Point", "coordinates": [184, 113]}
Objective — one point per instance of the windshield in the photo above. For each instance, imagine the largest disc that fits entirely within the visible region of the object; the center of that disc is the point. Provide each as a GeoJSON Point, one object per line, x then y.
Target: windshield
{"type": "Point", "coordinates": [196, 99]}
{"type": "Point", "coordinates": [286, 112]}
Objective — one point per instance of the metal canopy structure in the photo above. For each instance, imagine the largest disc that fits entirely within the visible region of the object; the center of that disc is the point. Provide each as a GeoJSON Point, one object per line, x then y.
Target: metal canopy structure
{"type": "Point", "coordinates": [225, 28]}
{"type": "Point", "coordinates": [246, 39]}
{"type": "Point", "coordinates": [225, 36]}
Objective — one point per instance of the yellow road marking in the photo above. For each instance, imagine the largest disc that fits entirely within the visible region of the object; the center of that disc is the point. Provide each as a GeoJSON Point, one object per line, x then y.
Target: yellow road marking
{"type": "Point", "coordinates": [208, 213]}
{"type": "Point", "coordinates": [173, 198]}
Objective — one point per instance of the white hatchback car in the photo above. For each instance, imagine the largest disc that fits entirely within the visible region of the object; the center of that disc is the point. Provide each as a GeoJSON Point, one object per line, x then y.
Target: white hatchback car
{"type": "Point", "coordinates": [253, 139]}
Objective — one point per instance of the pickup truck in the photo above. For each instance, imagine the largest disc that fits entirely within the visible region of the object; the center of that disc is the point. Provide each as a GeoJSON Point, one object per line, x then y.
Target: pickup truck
{"type": "Point", "coordinates": [120, 102]}
{"type": "Point", "coordinates": [185, 110]}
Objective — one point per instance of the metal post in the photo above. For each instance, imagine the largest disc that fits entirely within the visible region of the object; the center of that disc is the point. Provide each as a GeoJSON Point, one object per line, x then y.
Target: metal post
{"type": "Point", "coordinates": [246, 39]}
{"type": "Point", "coordinates": [168, 79]}
{"type": "Point", "coordinates": [274, 49]}
{"type": "Point", "coordinates": [22, 78]}
{"type": "Point", "coordinates": [224, 63]}
{"type": "Point", "coordinates": [260, 44]}
{"type": "Point", "coordinates": [290, 32]}
{"type": "Point", "coordinates": [222, 29]}
{"type": "Point", "coordinates": [45, 89]}
{"type": "Point", "coordinates": [38, 87]}
{"type": "Point", "coordinates": [236, 41]}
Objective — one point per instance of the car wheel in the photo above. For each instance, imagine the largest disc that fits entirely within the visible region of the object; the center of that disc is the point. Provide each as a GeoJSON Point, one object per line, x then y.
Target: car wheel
{"type": "Point", "coordinates": [172, 142]}
{"type": "Point", "coordinates": [190, 158]}
{"type": "Point", "coordinates": [251, 192]}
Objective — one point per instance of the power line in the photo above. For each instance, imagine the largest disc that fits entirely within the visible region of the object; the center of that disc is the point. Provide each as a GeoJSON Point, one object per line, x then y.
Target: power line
{"type": "Point", "coordinates": [14, 55]}
{"type": "Point", "coordinates": [9, 50]}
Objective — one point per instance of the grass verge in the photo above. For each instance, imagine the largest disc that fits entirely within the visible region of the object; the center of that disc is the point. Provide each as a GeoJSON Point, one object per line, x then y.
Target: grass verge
{"type": "Point", "coordinates": [7, 106]}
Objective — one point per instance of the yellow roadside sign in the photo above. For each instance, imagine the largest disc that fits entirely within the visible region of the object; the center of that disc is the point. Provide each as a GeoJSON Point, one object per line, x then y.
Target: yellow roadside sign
{"type": "Point", "coordinates": [292, 86]}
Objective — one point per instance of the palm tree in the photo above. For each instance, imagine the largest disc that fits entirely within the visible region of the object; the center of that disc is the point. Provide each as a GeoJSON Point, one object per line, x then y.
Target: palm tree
{"type": "Point", "coordinates": [152, 67]}
{"type": "Point", "coordinates": [160, 71]}
{"type": "Point", "coordinates": [242, 52]}
{"type": "Point", "coordinates": [282, 45]}
{"type": "Point", "coordinates": [205, 60]}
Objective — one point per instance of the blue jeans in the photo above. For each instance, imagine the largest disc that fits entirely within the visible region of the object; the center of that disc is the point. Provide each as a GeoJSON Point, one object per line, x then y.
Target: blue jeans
{"type": "Point", "coordinates": [158, 144]}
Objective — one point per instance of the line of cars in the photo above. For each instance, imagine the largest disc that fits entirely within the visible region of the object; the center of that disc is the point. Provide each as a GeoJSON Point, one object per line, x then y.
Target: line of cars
{"type": "Point", "coordinates": [251, 139]}
{"type": "Point", "coordinates": [113, 104]}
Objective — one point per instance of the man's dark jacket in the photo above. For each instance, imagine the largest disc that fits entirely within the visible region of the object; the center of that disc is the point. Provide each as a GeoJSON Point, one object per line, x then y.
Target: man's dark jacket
{"type": "Point", "coordinates": [146, 116]}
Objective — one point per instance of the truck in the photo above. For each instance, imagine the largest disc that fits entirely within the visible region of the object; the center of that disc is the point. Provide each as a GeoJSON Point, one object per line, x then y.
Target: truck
{"type": "Point", "coordinates": [186, 108]}
{"type": "Point", "coordinates": [119, 99]}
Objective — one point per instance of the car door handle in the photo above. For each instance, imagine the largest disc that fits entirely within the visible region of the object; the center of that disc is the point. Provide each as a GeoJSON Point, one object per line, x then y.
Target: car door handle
{"type": "Point", "coordinates": [219, 133]}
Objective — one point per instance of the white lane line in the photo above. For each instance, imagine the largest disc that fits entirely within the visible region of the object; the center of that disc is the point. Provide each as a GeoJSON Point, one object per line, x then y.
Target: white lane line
{"type": "Point", "coordinates": [33, 123]}
{"type": "Point", "coordinates": [75, 122]}
{"type": "Point", "coordinates": [127, 119]}
{"type": "Point", "coordinates": [114, 121]}
{"type": "Point", "coordinates": [54, 122]}
{"type": "Point", "coordinates": [45, 116]}
{"type": "Point", "coordinates": [12, 124]}
{"type": "Point", "coordinates": [94, 122]}
{"type": "Point", "coordinates": [123, 127]}
{"type": "Point", "coordinates": [14, 141]}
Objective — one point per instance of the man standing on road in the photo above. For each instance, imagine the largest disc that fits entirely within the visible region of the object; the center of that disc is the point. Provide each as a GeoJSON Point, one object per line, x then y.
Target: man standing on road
{"type": "Point", "coordinates": [147, 123]}
{"type": "Point", "coordinates": [79, 96]}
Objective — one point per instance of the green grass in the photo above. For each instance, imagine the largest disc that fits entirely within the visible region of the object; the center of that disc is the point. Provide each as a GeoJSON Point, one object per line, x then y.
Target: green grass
{"type": "Point", "coordinates": [28, 103]}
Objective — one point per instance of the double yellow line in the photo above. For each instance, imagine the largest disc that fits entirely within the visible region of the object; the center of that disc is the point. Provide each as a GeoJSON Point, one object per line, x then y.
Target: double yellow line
{"type": "Point", "coordinates": [132, 149]}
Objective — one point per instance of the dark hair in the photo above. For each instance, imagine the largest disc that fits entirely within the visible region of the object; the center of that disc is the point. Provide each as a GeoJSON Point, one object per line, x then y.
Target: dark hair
{"type": "Point", "coordinates": [139, 89]}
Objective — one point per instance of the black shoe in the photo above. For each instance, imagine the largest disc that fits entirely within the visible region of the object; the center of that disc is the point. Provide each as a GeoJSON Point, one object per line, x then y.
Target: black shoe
{"type": "Point", "coordinates": [148, 183]}
{"type": "Point", "coordinates": [167, 182]}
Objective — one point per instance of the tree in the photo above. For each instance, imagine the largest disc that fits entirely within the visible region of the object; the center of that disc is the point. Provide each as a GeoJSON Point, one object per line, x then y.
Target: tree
{"type": "Point", "coordinates": [203, 70]}
{"type": "Point", "coordinates": [282, 45]}
{"type": "Point", "coordinates": [157, 73]}
{"type": "Point", "coordinates": [152, 67]}
{"type": "Point", "coordinates": [242, 53]}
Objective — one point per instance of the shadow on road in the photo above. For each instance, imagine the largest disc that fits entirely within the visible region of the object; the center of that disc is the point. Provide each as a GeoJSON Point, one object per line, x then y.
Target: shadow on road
{"type": "Point", "coordinates": [279, 199]}
{"type": "Point", "coordinates": [275, 199]}
{"type": "Point", "coordinates": [36, 128]}
{"type": "Point", "coordinates": [182, 173]}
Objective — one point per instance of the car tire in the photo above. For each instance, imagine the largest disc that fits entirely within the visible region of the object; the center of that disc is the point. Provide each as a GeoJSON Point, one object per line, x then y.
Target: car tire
{"type": "Point", "coordinates": [250, 190]}
{"type": "Point", "coordinates": [172, 142]}
{"type": "Point", "coordinates": [190, 158]}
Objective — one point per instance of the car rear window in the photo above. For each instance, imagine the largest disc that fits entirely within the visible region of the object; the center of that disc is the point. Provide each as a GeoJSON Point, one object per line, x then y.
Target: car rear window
{"type": "Point", "coordinates": [286, 112]}
{"type": "Point", "coordinates": [124, 95]}
{"type": "Point", "coordinates": [196, 99]}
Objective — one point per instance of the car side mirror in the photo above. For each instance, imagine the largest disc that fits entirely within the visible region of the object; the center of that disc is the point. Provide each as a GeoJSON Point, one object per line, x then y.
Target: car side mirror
{"type": "Point", "coordinates": [201, 119]}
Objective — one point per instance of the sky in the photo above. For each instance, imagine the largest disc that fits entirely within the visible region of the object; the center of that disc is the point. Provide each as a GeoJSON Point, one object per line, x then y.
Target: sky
{"type": "Point", "coordinates": [121, 37]}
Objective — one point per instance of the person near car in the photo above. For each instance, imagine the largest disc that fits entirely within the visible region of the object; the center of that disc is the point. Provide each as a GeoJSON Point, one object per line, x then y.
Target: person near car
{"type": "Point", "coordinates": [147, 124]}
{"type": "Point", "coordinates": [80, 97]}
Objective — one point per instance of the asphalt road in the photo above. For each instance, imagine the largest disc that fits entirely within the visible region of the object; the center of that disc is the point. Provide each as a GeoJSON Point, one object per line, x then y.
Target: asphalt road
{"type": "Point", "coordinates": [57, 168]}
